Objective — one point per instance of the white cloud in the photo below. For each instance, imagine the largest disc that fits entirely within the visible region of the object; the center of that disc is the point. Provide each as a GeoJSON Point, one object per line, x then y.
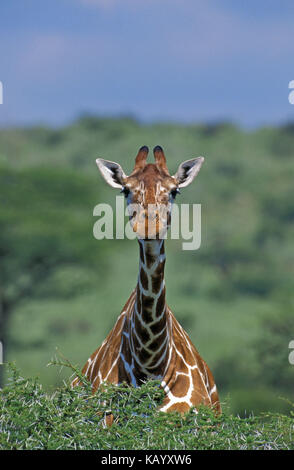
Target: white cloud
{"type": "Point", "coordinates": [98, 3]}
{"type": "Point", "coordinates": [108, 4]}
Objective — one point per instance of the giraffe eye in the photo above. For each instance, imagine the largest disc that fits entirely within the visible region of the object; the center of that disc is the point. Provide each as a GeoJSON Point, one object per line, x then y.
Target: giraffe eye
{"type": "Point", "coordinates": [125, 191]}
{"type": "Point", "coordinates": [174, 192]}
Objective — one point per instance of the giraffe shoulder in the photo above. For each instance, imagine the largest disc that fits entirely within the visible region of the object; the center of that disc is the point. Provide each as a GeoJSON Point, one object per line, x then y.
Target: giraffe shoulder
{"type": "Point", "coordinates": [182, 339]}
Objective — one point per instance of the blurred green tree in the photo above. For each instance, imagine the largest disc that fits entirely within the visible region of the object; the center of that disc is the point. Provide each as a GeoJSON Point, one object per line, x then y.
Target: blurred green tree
{"type": "Point", "coordinates": [45, 227]}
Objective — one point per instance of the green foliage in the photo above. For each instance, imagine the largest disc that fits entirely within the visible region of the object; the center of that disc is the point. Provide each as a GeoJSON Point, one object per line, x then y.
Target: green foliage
{"type": "Point", "coordinates": [31, 419]}
{"type": "Point", "coordinates": [235, 295]}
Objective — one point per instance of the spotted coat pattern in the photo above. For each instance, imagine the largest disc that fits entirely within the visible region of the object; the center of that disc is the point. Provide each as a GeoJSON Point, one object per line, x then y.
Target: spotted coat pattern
{"type": "Point", "coordinates": [147, 342]}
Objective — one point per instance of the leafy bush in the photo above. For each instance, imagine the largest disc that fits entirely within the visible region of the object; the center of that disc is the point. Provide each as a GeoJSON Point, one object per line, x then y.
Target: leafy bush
{"type": "Point", "coordinates": [74, 419]}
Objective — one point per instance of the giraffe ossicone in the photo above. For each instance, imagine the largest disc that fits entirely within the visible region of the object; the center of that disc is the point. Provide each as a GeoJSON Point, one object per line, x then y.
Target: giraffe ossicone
{"type": "Point", "coordinates": [147, 342]}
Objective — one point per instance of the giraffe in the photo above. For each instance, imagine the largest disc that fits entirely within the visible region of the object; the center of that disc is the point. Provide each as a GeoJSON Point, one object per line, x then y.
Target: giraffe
{"type": "Point", "coordinates": [147, 342]}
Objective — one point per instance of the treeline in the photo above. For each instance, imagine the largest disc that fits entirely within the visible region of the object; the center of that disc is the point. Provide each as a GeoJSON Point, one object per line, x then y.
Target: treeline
{"type": "Point", "coordinates": [59, 287]}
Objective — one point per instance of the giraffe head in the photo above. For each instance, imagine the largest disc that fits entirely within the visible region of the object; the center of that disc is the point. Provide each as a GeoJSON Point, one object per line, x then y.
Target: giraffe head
{"type": "Point", "coordinates": [150, 189]}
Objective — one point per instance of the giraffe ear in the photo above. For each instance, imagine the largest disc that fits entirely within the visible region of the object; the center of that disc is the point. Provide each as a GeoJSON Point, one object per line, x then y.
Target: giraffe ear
{"type": "Point", "coordinates": [187, 171]}
{"type": "Point", "coordinates": [112, 172]}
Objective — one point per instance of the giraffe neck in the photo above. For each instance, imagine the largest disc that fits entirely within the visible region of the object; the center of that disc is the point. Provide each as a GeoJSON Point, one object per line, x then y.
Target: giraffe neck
{"type": "Point", "coordinates": [150, 331]}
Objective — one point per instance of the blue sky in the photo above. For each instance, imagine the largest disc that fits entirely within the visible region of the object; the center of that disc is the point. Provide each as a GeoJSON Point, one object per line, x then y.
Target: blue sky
{"type": "Point", "coordinates": [176, 60]}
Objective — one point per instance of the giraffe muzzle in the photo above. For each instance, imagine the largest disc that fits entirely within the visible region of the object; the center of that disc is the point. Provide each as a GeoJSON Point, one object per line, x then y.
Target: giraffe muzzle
{"type": "Point", "coordinates": [150, 223]}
